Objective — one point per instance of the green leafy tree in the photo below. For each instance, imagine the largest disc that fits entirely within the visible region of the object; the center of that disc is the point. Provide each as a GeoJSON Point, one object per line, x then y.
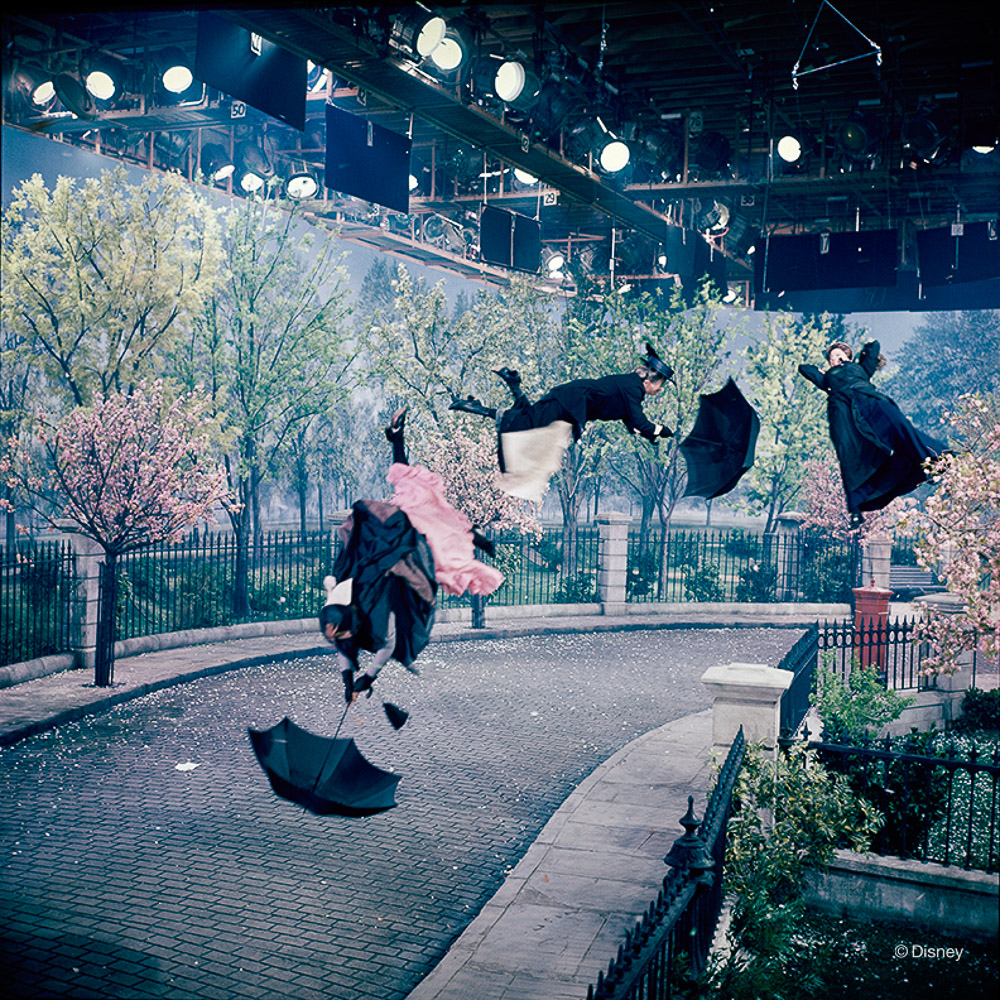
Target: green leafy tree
{"type": "Point", "coordinates": [949, 355]}
{"type": "Point", "coordinates": [424, 354]}
{"type": "Point", "coordinates": [270, 347]}
{"type": "Point", "coordinates": [101, 276]}
{"type": "Point", "coordinates": [793, 425]}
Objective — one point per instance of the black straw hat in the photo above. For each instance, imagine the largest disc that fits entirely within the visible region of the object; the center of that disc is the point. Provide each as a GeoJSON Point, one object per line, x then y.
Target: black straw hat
{"type": "Point", "coordinates": [656, 364]}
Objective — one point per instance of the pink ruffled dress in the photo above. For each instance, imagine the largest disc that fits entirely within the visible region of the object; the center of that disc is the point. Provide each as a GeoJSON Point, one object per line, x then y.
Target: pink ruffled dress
{"type": "Point", "coordinates": [420, 495]}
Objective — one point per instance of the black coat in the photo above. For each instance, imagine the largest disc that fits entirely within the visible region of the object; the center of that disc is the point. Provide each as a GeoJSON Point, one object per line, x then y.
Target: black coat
{"type": "Point", "coordinates": [392, 570]}
{"type": "Point", "coordinates": [613, 397]}
{"type": "Point", "coordinates": [879, 451]}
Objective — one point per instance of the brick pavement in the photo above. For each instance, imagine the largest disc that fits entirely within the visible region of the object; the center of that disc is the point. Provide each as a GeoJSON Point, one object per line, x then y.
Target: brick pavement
{"type": "Point", "coordinates": [123, 876]}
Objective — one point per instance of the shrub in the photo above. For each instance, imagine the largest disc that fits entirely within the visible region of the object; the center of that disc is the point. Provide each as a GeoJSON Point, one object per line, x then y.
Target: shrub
{"type": "Point", "coordinates": [702, 583]}
{"type": "Point", "coordinates": [578, 589]}
{"type": "Point", "coordinates": [856, 708]}
{"type": "Point", "coordinates": [980, 711]}
{"type": "Point", "coordinates": [790, 814]}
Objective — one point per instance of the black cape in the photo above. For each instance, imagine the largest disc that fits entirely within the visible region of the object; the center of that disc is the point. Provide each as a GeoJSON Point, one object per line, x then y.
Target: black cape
{"type": "Point", "coordinates": [879, 451]}
{"type": "Point", "coordinates": [392, 570]}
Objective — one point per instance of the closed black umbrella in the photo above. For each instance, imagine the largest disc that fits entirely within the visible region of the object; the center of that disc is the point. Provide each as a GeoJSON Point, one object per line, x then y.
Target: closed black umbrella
{"type": "Point", "coordinates": [325, 775]}
{"type": "Point", "coordinates": [720, 447]}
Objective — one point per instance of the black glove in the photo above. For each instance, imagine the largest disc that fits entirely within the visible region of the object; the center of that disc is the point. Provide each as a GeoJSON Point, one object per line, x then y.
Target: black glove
{"type": "Point", "coordinates": [665, 432]}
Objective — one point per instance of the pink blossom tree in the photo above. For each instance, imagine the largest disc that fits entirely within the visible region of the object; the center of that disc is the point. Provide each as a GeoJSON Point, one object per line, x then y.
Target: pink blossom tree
{"type": "Point", "coordinates": [958, 531]}
{"type": "Point", "coordinates": [825, 507]}
{"type": "Point", "coordinates": [132, 469]}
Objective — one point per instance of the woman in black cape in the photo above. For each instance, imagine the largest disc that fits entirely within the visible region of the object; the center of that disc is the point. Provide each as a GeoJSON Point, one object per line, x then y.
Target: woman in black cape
{"type": "Point", "coordinates": [880, 453]}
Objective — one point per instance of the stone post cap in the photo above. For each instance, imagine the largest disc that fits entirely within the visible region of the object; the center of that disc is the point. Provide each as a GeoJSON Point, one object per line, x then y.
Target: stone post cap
{"type": "Point", "coordinates": [750, 679]}
{"type": "Point", "coordinates": [612, 517]}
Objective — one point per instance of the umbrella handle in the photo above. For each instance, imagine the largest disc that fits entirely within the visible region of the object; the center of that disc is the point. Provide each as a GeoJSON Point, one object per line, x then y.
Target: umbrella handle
{"type": "Point", "coordinates": [344, 716]}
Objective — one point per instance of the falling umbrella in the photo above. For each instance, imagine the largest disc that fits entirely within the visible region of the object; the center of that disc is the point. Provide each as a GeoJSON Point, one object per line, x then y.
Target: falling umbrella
{"type": "Point", "coordinates": [325, 775]}
{"type": "Point", "coordinates": [720, 447]}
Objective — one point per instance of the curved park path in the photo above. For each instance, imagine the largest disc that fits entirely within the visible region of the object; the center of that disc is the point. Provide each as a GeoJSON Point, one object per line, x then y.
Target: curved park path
{"type": "Point", "coordinates": [126, 875]}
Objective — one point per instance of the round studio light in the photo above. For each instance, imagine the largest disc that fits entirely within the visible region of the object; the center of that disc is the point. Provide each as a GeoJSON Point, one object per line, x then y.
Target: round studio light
{"type": "Point", "coordinates": [301, 186]}
{"type": "Point", "coordinates": [509, 81]}
{"type": "Point", "coordinates": [789, 148]}
{"type": "Point", "coordinates": [43, 94]}
{"type": "Point", "coordinates": [251, 182]}
{"type": "Point", "coordinates": [101, 85]}
{"type": "Point", "coordinates": [448, 54]}
{"type": "Point", "coordinates": [177, 79]}
{"type": "Point", "coordinates": [615, 156]}
{"type": "Point", "coordinates": [430, 36]}
{"type": "Point", "coordinates": [555, 262]}
{"type": "Point", "coordinates": [413, 182]}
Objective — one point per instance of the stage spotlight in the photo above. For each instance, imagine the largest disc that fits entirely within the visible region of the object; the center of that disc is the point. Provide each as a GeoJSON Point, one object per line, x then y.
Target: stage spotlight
{"type": "Point", "coordinates": [74, 95]}
{"type": "Point", "coordinates": [713, 153]}
{"type": "Point", "coordinates": [172, 146]}
{"type": "Point", "coordinates": [103, 77]}
{"type": "Point", "coordinates": [857, 137]}
{"type": "Point", "coordinates": [417, 32]}
{"type": "Point", "coordinates": [523, 177]}
{"type": "Point", "coordinates": [789, 148]}
{"type": "Point", "coordinates": [662, 148]}
{"type": "Point", "coordinates": [34, 85]}
{"type": "Point", "coordinates": [316, 78]}
{"type": "Point", "coordinates": [614, 155]}
{"type": "Point", "coordinates": [507, 79]}
{"type": "Point", "coordinates": [254, 167]}
{"type": "Point", "coordinates": [553, 261]}
{"type": "Point", "coordinates": [174, 68]}
{"type": "Point", "coordinates": [450, 53]}
{"type": "Point", "coordinates": [300, 183]}
{"type": "Point", "coordinates": [714, 220]}
{"type": "Point", "coordinates": [925, 136]}
{"type": "Point", "coordinates": [216, 163]}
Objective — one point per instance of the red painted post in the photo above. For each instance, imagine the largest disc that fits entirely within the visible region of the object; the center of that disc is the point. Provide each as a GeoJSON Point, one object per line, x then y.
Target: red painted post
{"type": "Point", "coordinates": [871, 625]}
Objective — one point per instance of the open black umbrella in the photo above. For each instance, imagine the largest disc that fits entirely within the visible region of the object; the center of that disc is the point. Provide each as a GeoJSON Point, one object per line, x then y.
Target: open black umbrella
{"type": "Point", "coordinates": [325, 775]}
{"type": "Point", "coordinates": [720, 447]}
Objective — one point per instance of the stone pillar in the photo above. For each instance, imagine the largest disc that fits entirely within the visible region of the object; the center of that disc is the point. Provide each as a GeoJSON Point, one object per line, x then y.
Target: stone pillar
{"type": "Point", "coordinates": [788, 554]}
{"type": "Point", "coordinates": [747, 695]}
{"type": "Point", "coordinates": [876, 555]}
{"type": "Point", "coordinates": [83, 621]}
{"type": "Point", "coordinates": [612, 566]}
{"type": "Point", "coordinates": [871, 624]}
{"type": "Point", "coordinates": [953, 685]}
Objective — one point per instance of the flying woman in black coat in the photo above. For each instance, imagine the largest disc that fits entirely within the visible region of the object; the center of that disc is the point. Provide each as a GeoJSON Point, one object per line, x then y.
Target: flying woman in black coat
{"type": "Point", "coordinates": [531, 437]}
{"type": "Point", "coordinates": [881, 454]}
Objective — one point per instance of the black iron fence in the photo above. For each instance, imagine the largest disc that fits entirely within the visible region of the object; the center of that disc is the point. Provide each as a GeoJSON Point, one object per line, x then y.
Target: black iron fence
{"type": "Point", "coordinates": [555, 568]}
{"type": "Point", "coordinates": [670, 943]}
{"type": "Point", "coordinates": [801, 661]}
{"type": "Point", "coordinates": [939, 799]}
{"type": "Point", "coordinates": [203, 581]}
{"type": "Point", "coordinates": [37, 581]}
{"type": "Point", "coordinates": [739, 565]}
{"type": "Point", "coordinates": [192, 584]}
{"type": "Point", "coordinates": [891, 645]}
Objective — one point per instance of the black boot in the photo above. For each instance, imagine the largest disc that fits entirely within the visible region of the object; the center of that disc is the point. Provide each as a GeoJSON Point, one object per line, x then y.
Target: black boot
{"type": "Point", "coordinates": [471, 405]}
{"type": "Point", "coordinates": [482, 542]}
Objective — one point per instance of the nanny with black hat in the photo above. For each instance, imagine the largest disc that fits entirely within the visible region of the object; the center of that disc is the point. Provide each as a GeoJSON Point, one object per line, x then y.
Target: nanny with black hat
{"type": "Point", "coordinates": [533, 436]}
